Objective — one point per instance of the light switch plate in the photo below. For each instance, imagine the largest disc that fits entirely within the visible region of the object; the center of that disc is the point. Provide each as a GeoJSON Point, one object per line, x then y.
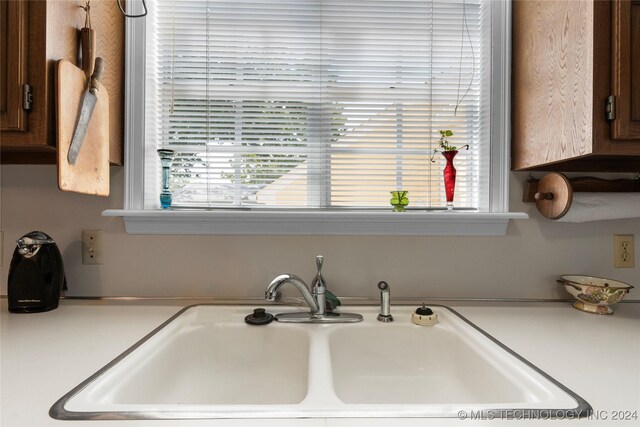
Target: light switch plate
{"type": "Point", "coordinates": [92, 247]}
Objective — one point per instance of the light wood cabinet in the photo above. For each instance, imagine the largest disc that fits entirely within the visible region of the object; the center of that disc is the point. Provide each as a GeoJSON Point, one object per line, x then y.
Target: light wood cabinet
{"type": "Point", "coordinates": [35, 34]}
{"type": "Point", "coordinates": [574, 62]}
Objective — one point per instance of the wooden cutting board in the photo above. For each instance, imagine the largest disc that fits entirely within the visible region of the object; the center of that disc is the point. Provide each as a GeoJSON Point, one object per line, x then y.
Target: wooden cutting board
{"type": "Point", "coordinates": [90, 174]}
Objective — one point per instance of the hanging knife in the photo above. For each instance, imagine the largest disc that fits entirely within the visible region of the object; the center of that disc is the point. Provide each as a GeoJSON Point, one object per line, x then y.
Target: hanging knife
{"type": "Point", "coordinates": [86, 109]}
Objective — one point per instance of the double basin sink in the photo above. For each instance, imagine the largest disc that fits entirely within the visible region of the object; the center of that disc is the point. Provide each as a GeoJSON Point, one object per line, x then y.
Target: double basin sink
{"type": "Point", "coordinates": [205, 362]}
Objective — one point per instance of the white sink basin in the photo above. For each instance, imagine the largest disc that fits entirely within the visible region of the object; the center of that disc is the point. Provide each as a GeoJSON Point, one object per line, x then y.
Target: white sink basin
{"type": "Point", "coordinates": [435, 370]}
{"type": "Point", "coordinates": [210, 365]}
{"type": "Point", "coordinates": [205, 362]}
{"type": "Point", "coordinates": [412, 365]}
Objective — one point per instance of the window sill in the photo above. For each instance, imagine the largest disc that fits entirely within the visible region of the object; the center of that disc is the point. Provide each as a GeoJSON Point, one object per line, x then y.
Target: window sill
{"type": "Point", "coordinates": [412, 223]}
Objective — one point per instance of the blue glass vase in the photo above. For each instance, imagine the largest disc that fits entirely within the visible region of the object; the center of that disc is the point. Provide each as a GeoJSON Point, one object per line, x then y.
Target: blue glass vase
{"type": "Point", "coordinates": [166, 160]}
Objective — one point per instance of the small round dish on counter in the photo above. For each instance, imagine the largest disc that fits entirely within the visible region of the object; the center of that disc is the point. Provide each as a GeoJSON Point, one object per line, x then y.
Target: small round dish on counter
{"type": "Point", "coordinates": [595, 294]}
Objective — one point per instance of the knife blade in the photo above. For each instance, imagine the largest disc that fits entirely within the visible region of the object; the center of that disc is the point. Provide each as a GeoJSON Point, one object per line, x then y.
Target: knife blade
{"type": "Point", "coordinates": [87, 106]}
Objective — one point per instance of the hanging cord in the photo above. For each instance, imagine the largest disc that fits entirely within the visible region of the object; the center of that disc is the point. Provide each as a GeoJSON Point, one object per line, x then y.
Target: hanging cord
{"type": "Point", "coordinates": [173, 55]}
{"type": "Point", "coordinates": [465, 31]}
{"type": "Point", "coordinates": [87, 17]}
{"type": "Point", "coordinates": [144, 6]}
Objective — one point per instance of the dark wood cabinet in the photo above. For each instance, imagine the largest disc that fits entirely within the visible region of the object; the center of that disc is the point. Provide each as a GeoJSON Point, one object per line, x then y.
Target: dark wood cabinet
{"type": "Point", "coordinates": [35, 34]}
{"type": "Point", "coordinates": [626, 69]}
{"type": "Point", "coordinates": [32, 143]}
{"type": "Point", "coordinates": [14, 94]}
{"type": "Point", "coordinates": [576, 85]}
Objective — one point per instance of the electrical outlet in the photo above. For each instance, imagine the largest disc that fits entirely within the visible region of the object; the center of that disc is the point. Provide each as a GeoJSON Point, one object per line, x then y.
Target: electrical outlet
{"type": "Point", "coordinates": [623, 251]}
{"type": "Point", "coordinates": [92, 247]}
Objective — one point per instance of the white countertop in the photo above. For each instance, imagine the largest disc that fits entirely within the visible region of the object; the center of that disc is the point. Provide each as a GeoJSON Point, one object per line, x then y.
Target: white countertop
{"type": "Point", "coordinates": [45, 355]}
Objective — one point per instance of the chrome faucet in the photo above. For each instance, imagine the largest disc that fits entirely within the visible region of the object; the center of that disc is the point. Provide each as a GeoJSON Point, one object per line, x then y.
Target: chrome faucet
{"type": "Point", "coordinates": [272, 293]}
{"type": "Point", "coordinates": [315, 299]}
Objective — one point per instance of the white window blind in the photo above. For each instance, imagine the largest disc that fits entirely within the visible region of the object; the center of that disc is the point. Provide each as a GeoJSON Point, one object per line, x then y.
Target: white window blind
{"type": "Point", "coordinates": [317, 103]}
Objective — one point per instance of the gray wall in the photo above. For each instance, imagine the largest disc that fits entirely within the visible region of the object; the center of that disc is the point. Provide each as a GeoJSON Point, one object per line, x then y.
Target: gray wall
{"type": "Point", "coordinates": [522, 264]}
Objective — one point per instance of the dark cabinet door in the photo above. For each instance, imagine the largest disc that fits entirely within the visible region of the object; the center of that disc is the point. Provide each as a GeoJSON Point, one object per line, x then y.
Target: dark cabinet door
{"type": "Point", "coordinates": [626, 69]}
{"type": "Point", "coordinates": [13, 64]}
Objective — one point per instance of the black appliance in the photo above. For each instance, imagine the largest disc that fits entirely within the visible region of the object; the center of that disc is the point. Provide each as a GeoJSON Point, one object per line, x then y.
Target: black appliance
{"type": "Point", "coordinates": [36, 274]}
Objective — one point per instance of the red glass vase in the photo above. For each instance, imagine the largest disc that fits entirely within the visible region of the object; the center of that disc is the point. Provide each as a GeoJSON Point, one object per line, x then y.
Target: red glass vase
{"type": "Point", "coordinates": [449, 177]}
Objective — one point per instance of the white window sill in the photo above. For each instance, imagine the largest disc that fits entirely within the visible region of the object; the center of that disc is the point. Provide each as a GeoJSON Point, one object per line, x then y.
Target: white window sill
{"type": "Point", "coordinates": [413, 223]}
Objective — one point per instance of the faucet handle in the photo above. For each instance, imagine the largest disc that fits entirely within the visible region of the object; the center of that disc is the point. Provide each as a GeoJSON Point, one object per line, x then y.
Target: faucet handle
{"type": "Point", "coordinates": [319, 262]}
{"type": "Point", "coordinates": [318, 281]}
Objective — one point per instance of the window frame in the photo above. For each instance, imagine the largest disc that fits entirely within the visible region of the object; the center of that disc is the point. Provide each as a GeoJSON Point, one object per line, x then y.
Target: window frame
{"type": "Point", "coordinates": [331, 221]}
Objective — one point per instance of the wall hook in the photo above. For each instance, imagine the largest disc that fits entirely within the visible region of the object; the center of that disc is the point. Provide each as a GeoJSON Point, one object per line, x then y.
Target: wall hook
{"type": "Point", "coordinates": [87, 18]}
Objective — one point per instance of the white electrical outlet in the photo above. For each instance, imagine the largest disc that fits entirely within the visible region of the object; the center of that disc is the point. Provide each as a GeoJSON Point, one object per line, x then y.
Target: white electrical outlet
{"type": "Point", "coordinates": [623, 251]}
{"type": "Point", "coordinates": [92, 247]}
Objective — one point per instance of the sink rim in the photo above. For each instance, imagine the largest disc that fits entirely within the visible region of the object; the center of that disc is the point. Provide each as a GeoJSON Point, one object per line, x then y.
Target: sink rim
{"type": "Point", "coordinates": [301, 410]}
